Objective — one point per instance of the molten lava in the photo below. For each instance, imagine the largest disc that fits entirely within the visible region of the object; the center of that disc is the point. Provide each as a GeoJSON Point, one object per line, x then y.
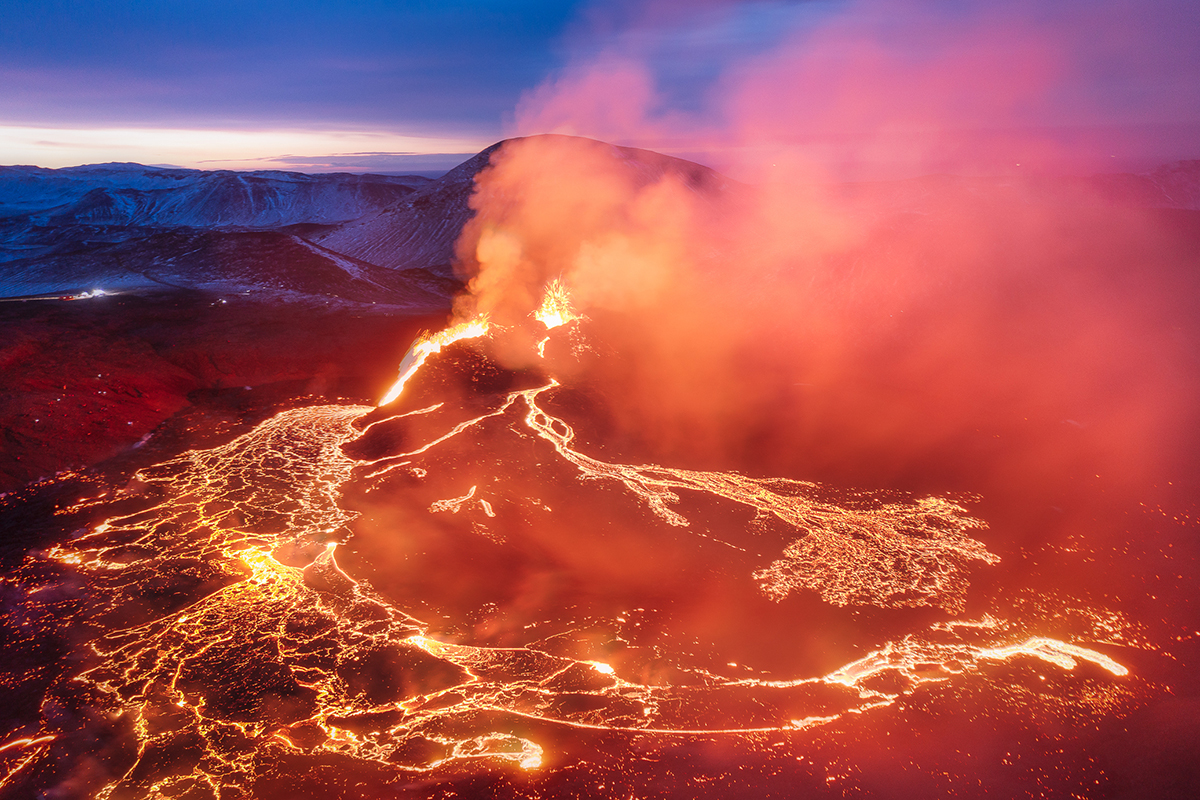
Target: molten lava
{"type": "Point", "coordinates": [426, 345]}
{"type": "Point", "coordinates": [268, 663]}
{"type": "Point", "coordinates": [270, 658]}
{"type": "Point", "coordinates": [555, 309]}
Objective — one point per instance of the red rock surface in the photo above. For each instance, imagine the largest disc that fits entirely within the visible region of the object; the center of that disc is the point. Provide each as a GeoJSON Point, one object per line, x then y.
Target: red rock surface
{"type": "Point", "coordinates": [88, 379]}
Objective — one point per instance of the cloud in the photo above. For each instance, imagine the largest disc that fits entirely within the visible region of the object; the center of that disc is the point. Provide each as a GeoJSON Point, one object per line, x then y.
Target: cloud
{"type": "Point", "coordinates": [453, 66]}
{"type": "Point", "coordinates": [890, 87]}
{"type": "Point", "coordinates": [233, 149]}
{"type": "Point", "coordinates": [815, 328]}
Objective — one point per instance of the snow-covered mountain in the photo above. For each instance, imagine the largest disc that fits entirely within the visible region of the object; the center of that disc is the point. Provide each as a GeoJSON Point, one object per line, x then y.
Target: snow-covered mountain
{"type": "Point", "coordinates": [417, 232]}
{"type": "Point", "coordinates": [358, 238]}
{"type": "Point", "coordinates": [130, 227]}
{"type": "Point", "coordinates": [275, 263]}
{"type": "Point", "coordinates": [132, 194]}
{"type": "Point", "coordinates": [365, 238]}
{"type": "Point", "coordinates": [420, 231]}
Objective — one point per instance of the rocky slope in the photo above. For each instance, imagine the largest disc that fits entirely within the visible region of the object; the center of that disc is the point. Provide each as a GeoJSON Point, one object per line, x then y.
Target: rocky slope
{"type": "Point", "coordinates": [125, 227]}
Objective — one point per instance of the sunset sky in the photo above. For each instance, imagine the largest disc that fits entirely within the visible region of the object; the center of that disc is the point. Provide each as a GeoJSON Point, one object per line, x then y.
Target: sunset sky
{"type": "Point", "coordinates": [396, 86]}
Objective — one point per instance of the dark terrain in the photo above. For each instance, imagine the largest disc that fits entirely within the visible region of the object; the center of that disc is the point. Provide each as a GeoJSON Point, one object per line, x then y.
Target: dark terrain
{"type": "Point", "coordinates": [89, 379]}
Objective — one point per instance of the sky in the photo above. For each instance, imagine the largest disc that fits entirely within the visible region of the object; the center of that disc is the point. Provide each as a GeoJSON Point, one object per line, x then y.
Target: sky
{"type": "Point", "coordinates": [387, 86]}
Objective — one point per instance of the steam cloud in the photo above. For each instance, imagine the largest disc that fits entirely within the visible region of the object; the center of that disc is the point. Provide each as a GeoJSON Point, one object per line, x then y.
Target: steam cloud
{"type": "Point", "coordinates": [957, 332]}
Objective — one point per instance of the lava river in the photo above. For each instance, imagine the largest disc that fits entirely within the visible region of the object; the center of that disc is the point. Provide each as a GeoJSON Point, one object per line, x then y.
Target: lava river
{"type": "Point", "coordinates": [459, 594]}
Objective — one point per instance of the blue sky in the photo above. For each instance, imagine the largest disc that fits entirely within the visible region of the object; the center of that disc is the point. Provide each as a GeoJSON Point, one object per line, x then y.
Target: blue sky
{"type": "Point", "coordinates": [441, 70]}
{"type": "Point", "coordinates": [334, 84]}
{"type": "Point", "coordinates": [440, 66]}
{"type": "Point", "coordinates": [395, 86]}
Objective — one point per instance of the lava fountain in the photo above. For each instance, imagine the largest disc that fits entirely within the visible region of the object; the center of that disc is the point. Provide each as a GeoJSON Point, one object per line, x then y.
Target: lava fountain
{"type": "Point", "coordinates": [426, 345]}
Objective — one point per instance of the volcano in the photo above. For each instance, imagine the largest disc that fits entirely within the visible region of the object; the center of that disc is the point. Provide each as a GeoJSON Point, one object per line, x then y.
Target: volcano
{"type": "Point", "coordinates": [927, 540]}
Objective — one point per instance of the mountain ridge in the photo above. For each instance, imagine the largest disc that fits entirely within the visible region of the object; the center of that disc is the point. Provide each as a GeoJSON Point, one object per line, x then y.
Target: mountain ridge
{"type": "Point", "coordinates": [60, 228]}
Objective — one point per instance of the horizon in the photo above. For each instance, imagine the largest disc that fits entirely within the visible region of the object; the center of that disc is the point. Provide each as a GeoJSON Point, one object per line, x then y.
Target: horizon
{"type": "Point", "coordinates": [1129, 166]}
{"type": "Point", "coordinates": [872, 89]}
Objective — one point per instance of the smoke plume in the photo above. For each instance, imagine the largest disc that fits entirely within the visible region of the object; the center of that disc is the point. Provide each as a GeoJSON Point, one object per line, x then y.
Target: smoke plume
{"type": "Point", "coordinates": [939, 331]}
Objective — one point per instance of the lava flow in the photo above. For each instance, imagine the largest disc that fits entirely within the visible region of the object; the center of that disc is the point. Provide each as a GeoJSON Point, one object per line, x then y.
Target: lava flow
{"type": "Point", "coordinates": [426, 345]}
{"type": "Point", "coordinates": [224, 648]}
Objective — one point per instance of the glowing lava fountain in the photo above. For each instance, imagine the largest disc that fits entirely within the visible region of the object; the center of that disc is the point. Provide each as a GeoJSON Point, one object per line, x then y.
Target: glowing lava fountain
{"type": "Point", "coordinates": [426, 345]}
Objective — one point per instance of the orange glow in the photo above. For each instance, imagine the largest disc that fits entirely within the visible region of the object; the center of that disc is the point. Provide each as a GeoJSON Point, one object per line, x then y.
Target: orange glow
{"type": "Point", "coordinates": [284, 586]}
{"type": "Point", "coordinates": [26, 742]}
{"type": "Point", "coordinates": [892, 337]}
{"type": "Point", "coordinates": [641, 566]}
{"type": "Point", "coordinates": [555, 309]}
{"type": "Point", "coordinates": [32, 747]}
{"type": "Point", "coordinates": [428, 344]}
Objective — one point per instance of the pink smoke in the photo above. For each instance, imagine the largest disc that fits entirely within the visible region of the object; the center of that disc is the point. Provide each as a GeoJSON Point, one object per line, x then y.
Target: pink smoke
{"type": "Point", "coordinates": [945, 330]}
{"type": "Point", "coordinates": [896, 87]}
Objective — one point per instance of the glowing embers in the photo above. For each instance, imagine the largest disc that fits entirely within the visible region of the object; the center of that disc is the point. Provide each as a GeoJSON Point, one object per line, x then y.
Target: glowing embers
{"type": "Point", "coordinates": [556, 306]}
{"type": "Point", "coordinates": [554, 311]}
{"type": "Point", "coordinates": [924, 659]}
{"type": "Point", "coordinates": [426, 345]}
{"type": "Point", "coordinates": [896, 554]}
{"type": "Point", "coordinates": [504, 747]}
{"type": "Point", "coordinates": [278, 649]}
{"type": "Point", "coordinates": [274, 652]}
{"type": "Point", "coordinates": [20, 753]}
{"type": "Point", "coordinates": [287, 656]}
{"type": "Point", "coordinates": [1059, 653]}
